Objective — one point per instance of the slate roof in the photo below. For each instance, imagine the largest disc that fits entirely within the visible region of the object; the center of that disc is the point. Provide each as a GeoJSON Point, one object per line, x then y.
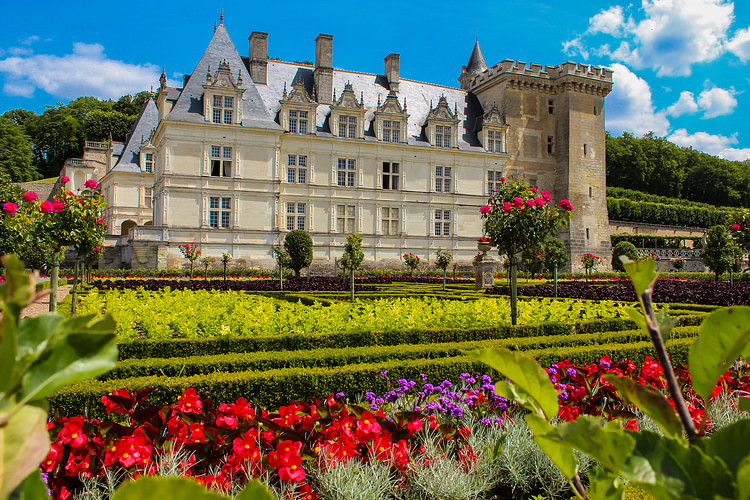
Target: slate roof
{"type": "Point", "coordinates": [144, 125]}
{"type": "Point", "coordinates": [476, 62]}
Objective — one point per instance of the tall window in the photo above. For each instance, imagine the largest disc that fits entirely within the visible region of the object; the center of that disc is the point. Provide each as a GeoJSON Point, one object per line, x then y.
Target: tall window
{"type": "Point", "coordinates": [494, 141]}
{"type": "Point", "coordinates": [221, 161]}
{"type": "Point", "coordinates": [390, 220]}
{"type": "Point", "coordinates": [345, 218]}
{"type": "Point", "coordinates": [442, 136]}
{"type": "Point", "coordinates": [390, 175]}
{"type": "Point", "coordinates": [219, 210]}
{"type": "Point", "coordinates": [391, 131]}
{"type": "Point", "coordinates": [148, 196]}
{"type": "Point", "coordinates": [149, 163]}
{"type": "Point", "coordinates": [443, 179]}
{"type": "Point", "coordinates": [348, 126]}
{"type": "Point", "coordinates": [295, 216]}
{"type": "Point", "coordinates": [550, 145]}
{"type": "Point", "coordinates": [223, 109]}
{"type": "Point", "coordinates": [493, 181]}
{"type": "Point", "coordinates": [296, 169]}
{"type": "Point", "coordinates": [297, 121]}
{"type": "Point", "coordinates": [551, 106]}
{"type": "Point", "coordinates": [442, 222]}
{"type": "Point", "coordinates": [346, 170]}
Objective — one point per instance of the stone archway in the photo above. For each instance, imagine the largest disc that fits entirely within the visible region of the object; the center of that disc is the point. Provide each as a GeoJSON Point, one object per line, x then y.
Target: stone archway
{"type": "Point", "coordinates": [125, 226]}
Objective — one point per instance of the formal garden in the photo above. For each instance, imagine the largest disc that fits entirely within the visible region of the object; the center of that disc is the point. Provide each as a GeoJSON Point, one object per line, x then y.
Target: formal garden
{"type": "Point", "coordinates": [412, 384]}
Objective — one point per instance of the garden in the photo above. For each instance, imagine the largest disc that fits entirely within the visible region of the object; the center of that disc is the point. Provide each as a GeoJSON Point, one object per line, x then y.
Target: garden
{"type": "Point", "coordinates": [377, 387]}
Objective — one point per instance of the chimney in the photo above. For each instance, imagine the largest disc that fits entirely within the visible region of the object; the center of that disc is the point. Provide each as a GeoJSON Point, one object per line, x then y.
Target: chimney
{"type": "Point", "coordinates": [323, 73]}
{"type": "Point", "coordinates": [259, 57]}
{"type": "Point", "coordinates": [391, 71]}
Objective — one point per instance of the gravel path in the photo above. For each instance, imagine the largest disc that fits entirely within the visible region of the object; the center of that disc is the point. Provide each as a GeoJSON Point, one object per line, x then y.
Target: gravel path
{"type": "Point", "coordinates": [42, 306]}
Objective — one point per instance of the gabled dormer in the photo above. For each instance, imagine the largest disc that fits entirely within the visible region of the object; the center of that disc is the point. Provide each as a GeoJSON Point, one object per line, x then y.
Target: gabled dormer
{"type": "Point", "coordinates": [222, 97]}
{"type": "Point", "coordinates": [391, 119]}
{"type": "Point", "coordinates": [494, 131]}
{"type": "Point", "coordinates": [297, 114]}
{"type": "Point", "coordinates": [347, 114]}
{"type": "Point", "coordinates": [442, 125]}
{"type": "Point", "coordinates": [147, 155]}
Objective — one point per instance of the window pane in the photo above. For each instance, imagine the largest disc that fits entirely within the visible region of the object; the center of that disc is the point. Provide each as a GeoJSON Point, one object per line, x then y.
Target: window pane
{"type": "Point", "coordinates": [213, 202]}
{"type": "Point", "coordinates": [292, 160]}
{"type": "Point", "coordinates": [227, 116]}
{"type": "Point", "coordinates": [490, 175]}
{"type": "Point", "coordinates": [394, 213]}
{"type": "Point", "coordinates": [341, 210]}
{"type": "Point", "coordinates": [439, 129]}
{"type": "Point", "coordinates": [350, 225]}
{"type": "Point", "coordinates": [394, 182]}
{"type": "Point", "coordinates": [301, 223]}
{"type": "Point", "coordinates": [439, 141]}
{"type": "Point", "coordinates": [341, 179]}
{"type": "Point", "coordinates": [302, 176]}
{"type": "Point", "coordinates": [447, 171]}
{"type": "Point", "coordinates": [350, 179]}
{"type": "Point", "coordinates": [352, 131]}
{"type": "Point", "coordinates": [386, 135]}
{"type": "Point", "coordinates": [293, 126]}
{"type": "Point", "coordinates": [394, 168]}
{"type": "Point", "coordinates": [302, 161]}
{"type": "Point", "coordinates": [213, 219]}
{"type": "Point", "coordinates": [303, 114]}
{"type": "Point", "coordinates": [386, 181]}
{"type": "Point", "coordinates": [396, 125]}
{"type": "Point", "coordinates": [438, 171]}
{"type": "Point", "coordinates": [386, 229]}
{"type": "Point", "coordinates": [227, 172]}
{"type": "Point", "coordinates": [438, 185]}
{"type": "Point", "coordinates": [290, 208]}
{"type": "Point", "coordinates": [342, 163]}
{"type": "Point", "coordinates": [438, 227]}
{"type": "Point", "coordinates": [385, 212]}
{"type": "Point", "coordinates": [447, 141]}
{"type": "Point", "coordinates": [447, 186]}
{"type": "Point", "coordinates": [215, 168]}
{"type": "Point", "coordinates": [225, 220]}
{"type": "Point", "coordinates": [291, 175]}
{"type": "Point", "coordinates": [228, 102]}
{"type": "Point", "coordinates": [227, 152]}
{"type": "Point", "coordinates": [438, 214]}
{"type": "Point", "coordinates": [396, 136]}
{"type": "Point", "coordinates": [217, 116]}
{"type": "Point", "coordinates": [217, 101]}
{"type": "Point", "coordinates": [292, 114]}
{"type": "Point", "coordinates": [447, 215]}
{"type": "Point", "coordinates": [303, 126]}
{"type": "Point", "coordinates": [290, 222]}
{"type": "Point", "coordinates": [446, 229]}
{"type": "Point", "coordinates": [352, 164]}
{"type": "Point", "coordinates": [226, 203]}
{"type": "Point", "coordinates": [300, 208]}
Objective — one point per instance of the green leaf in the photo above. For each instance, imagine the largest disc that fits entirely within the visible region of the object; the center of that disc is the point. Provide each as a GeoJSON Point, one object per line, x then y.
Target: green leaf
{"type": "Point", "coordinates": [609, 444]}
{"type": "Point", "coordinates": [23, 444]}
{"type": "Point", "coordinates": [604, 485]}
{"type": "Point", "coordinates": [527, 374]}
{"type": "Point", "coordinates": [637, 316]}
{"type": "Point", "coordinates": [34, 336]}
{"type": "Point", "coordinates": [665, 323]}
{"type": "Point", "coordinates": [731, 444]}
{"type": "Point", "coordinates": [562, 455]}
{"type": "Point", "coordinates": [15, 292]}
{"type": "Point", "coordinates": [651, 401]}
{"type": "Point", "coordinates": [723, 337]}
{"type": "Point", "coordinates": [32, 488]}
{"type": "Point", "coordinates": [743, 479]}
{"type": "Point", "coordinates": [641, 272]}
{"type": "Point", "coordinates": [164, 488]}
{"type": "Point", "coordinates": [744, 404]}
{"type": "Point", "coordinates": [79, 352]}
{"type": "Point", "coordinates": [255, 490]}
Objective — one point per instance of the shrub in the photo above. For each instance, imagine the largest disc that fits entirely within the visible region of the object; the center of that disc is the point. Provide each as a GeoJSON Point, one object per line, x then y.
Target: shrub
{"type": "Point", "coordinates": [718, 253]}
{"type": "Point", "coordinates": [623, 248]}
{"type": "Point", "coordinates": [299, 244]}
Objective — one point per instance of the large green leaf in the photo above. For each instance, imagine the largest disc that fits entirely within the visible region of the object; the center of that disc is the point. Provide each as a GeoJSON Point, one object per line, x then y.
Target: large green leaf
{"type": "Point", "coordinates": [35, 335]}
{"type": "Point", "coordinates": [608, 443]}
{"type": "Point", "coordinates": [15, 292]}
{"type": "Point", "coordinates": [641, 272]}
{"type": "Point", "coordinates": [650, 401]}
{"type": "Point", "coordinates": [32, 488]}
{"type": "Point", "coordinates": [255, 491]}
{"type": "Point", "coordinates": [72, 357]}
{"type": "Point", "coordinates": [562, 455]}
{"type": "Point", "coordinates": [743, 480]}
{"type": "Point", "coordinates": [526, 373]}
{"type": "Point", "coordinates": [731, 444]}
{"type": "Point", "coordinates": [165, 488]}
{"type": "Point", "coordinates": [723, 337]}
{"type": "Point", "coordinates": [604, 485]}
{"type": "Point", "coordinates": [23, 445]}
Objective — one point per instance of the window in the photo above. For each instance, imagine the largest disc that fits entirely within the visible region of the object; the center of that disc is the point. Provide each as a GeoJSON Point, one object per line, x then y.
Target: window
{"type": "Point", "coordinates": [443, 179]}
{"type": "Point", "coordinates": [296, 169]}
{"type": "Point", "coordinates": [390, 175]}
{"type": "Point", "coordinates": [551, 106]}
{"type": "Point", "coordinates": [442, 222]}
{"type": "Point", "coordinates": [550, 145]}
{"type": "Point", "coordinates": [391, 131]}
{"type": "Point", "coordinates": [390, 220]}
{"type": "Point", "coordinates": [585, 149]}
{"type": "Point", "coordinates": [298, 122]}
{"type": "Point", "coordinates": [494, 141]}
{"type": "Point", "coordinates": [218, 212]}
{"type": "Point", "coordinates": [494, 179]}
{"type": "Point", "coordinates": [442, 136]}
{"type": "Point", "coordinates": [591, 192]}
{"type": "Point", "coordinates": [295, 216]}
{"type": "Point", "coordinates": [345, 218]}
{"type": "Point", "coordinates": [223, 109]}
{"type": "Point", "coordinates": [148, 196]}
{"type": "Point", "coordinates": [221, 161]}
{"type": "Point", "coordinates": [149, 163]}
{"type": "Point", "coordinates": [346, 170]}
{"type": "Point", "coordinates": [348, 126]}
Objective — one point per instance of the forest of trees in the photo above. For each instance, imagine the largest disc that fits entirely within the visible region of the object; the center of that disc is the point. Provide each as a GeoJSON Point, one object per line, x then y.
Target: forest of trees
{"type": "Point", "coordinates": [35, 146]}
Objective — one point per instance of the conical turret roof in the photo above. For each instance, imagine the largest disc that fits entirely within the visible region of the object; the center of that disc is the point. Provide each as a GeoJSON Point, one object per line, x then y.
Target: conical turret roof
{"type": "Point", "coordinates": [476, 62]}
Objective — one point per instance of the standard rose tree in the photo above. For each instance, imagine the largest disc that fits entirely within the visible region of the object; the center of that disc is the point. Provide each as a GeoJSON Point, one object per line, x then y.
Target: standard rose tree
{"type": "Point", "coordinates": [412, 261]}
{"type": "Point", "coordinates": [191, 253]}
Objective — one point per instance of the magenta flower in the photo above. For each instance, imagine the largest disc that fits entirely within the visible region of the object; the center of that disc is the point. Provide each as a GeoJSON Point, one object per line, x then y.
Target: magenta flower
{"type": "Point", "coordinates": [518, 202]}
{"type": "Point", "coordinates": [534, 189]}
{"type": "Point", "coordinates": [502, 179]}
{"type": "Point", "coordinates": [484, 210]}
{"type": "Point", "coordinates": [736, 227]}
{"type": "Point", "coordinates": [566, 204]}
{"type": "Point", "coordinates": [10, 208]}
{"type": "Point", "coordinates": [65, 179]}
{"type": "Point", "coordinates": [507, 207]}
{"type": "Point", "coordinates": [530, 202]}
{"type": "Point", "coordinates": [91, 184]}
{"type": "Point", "coordinates": [58, 206]}
{"type": "Point", "coordinates": [539, 201]}
{"type": "Point", "coordinates": [546, 196]}
{"type": "Point", "coordinates": [45, 207]}
{"type": "Point", "coordinates": [30, 196]}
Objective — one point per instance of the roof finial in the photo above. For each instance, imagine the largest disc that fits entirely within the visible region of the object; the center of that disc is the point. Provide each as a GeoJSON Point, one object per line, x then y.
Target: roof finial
{"type": "Point", "coordinates": [284, 95]}
{"type": "Point", "coordinates": [221, 17]}
{"type": "Point", "coordinates": [334, 96]}
{"type": "Point", "coordinates": [404, 104]}
{"type": "Point", "coordinates": [214, 26]}
{"type": "Point", "coordinates": [361, 99]}
{"type": "Point", "coordinates": [239, 77]}
{"type": "Point", "coordinates": [378, 99]}
{"type": "Point", "coordinates": [163, 79]}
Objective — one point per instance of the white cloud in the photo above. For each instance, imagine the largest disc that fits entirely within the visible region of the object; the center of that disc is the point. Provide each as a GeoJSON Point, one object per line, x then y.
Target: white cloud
{"type": "Point", "coordinates": [629, 106]}
{"type": "Point", "coordinates": [86, 71]}
{"type": "Point", "coordinates": [718, 145]}
{"type": "Point", "coordinates": [740, 45]}
{"type": "Point", "coordinates": [684, 105]}
{"type": "Point", "coordinates": [717, 102]}
{"type": "Point", "coordinates": [672, 36]}
{"type": "Point", "coordinates": [30, 40]}
{"type": "Point", "coordinates": [575, 47]}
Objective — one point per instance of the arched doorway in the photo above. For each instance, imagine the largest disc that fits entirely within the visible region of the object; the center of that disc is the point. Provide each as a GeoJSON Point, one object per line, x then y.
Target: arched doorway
{"type": "Point", "coordinates": [125, 226]}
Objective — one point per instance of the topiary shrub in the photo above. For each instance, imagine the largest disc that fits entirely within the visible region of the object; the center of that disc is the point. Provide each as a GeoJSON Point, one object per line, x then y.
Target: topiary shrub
{"type": "Point", "coordinates": [299, 244]}
{"type": "Point", "coordinates": [623, 248]}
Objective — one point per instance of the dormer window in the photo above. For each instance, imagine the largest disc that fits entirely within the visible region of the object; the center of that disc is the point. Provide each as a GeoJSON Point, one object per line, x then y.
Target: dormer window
{"type": "Point", "coordinates": [347, 115]}
{"type": "Point", "coordinates": [391, 120]}
{"type": "Point", "coordinates": [149, 163]}
{"type": "Point", "coordinates": [391, 131]}
{"type": "Point", "coordinates": [442, 125]}
{"type": "Point", "coordinates": [223, 109]}
{"type": "Point", "coordinates": [493, 131]}
{"type": "Point", "coordinates": [223, 96]}
{"type": "Point", "coordinates": [442, 136]}
{"type": "Point", "coordinates": [297, 121]}
{"type": "Point", "coordinates": [297, 112]}
{"type": "Point", "coordinates": [348, 126]}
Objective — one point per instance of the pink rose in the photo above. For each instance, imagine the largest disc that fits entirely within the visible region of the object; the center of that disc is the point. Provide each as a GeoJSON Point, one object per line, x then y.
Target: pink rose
{"type": "Point", "coordinates": [507, 207]}
{"type": "Point", "coordinates": [58, 206]}
{"type": "Point", "coordinates": [546, 196]}
{"type": "Point", "coordinates": [736, 227]}
{"type": "Point", "coordinates": [530, 202]}
{"type": "Point", "coordinates": [45, 207]}
{"type": "Point", "coordinates": [30, 196]}
{"type": "Point", "coordinates": [566, 204]}
{"type": "Point", "coordinates": [91, 184]}
{"type": "Point", "coordinates": [534, 189]}
{"type": "Point", "coordinates": [517, 201]}
{"type": "Point", "coordinates": [502, 179]}
{"type": "Point", "coordinates": [65, 179]}
{"type": "Point", "coordinates": [539, 201]}
{"type": "Point", "coordinates": [484, 210]}
{"type": "Point", "coordinates": [10, 208]}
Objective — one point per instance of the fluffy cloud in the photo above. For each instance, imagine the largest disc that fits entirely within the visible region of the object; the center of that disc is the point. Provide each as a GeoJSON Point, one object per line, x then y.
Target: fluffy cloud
{"type": "Point", "coordinates": [630, 107]}
{"type": "Point", "coordinates": [718, 145]}
{"type": "Point", "coordinates": [740, 45]}
{"type": "Point", "coordinates": [713, 102]}
{"type": "Point", "coordinates": [685, 104]}
{"type": "Point", "coordinates": [672, 36]}
{"type": "Point", "coordinates": [86, 71]}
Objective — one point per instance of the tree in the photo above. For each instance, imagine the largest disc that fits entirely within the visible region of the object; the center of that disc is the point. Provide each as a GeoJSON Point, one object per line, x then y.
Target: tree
{"type": "Point", "coordinates": [533, 260]}
{"type": "Point", "coordinates": [623, 248]}
{"type": "Point", "coordinates": [353, 257]}
{"type": "Point", "coordinates": [442, 261]}
{"type": "Point", "coordinates": [19, 116]}
{"type": "Point", "coordinates": [412, 261]}
{"type": "Point", "coordinates": [283, 260]}
{"type": "Point", "coordinates": [132, 105]}
{"type": "Point", "coordinates": [556, 256]}
{"type": "Point", "coordinates": [718, 253]}
{"type": "Point", "coordinates": [16, 155]}
{"type": "Point", "coordinates": [191, 253]}
{"type": "Point", "coordinates": [56, 135]}
{"type": "Point", "coordinates": [299, 244]}
{"type": "Point", "coordinates": [100, 124]}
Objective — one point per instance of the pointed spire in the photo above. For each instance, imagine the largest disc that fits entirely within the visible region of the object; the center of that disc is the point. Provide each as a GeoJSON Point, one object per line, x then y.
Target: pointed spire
{"type": "Point", "coordinates": [378, 100]}
{"type": "Point", "coordinates": [221, 17]}
{"type": "Point", "coordinates": [284, 95]}
{"type": "Point", "coordinates": [334, 95]}
{"type": "Point", "coordinates": [404, 104]}
{"type": "Point", "coordinates": [109, 139]}
{"type": "Point", "coordinates": [214, 26]}
{"type": "Point", "coordinates": [239, 77]}
{"type": "Point", "coordinates": [361, 99]}
{"type": "Point", "coordinates": [163, 79]}
{"type": "Point", "coordinates": [476, 62]}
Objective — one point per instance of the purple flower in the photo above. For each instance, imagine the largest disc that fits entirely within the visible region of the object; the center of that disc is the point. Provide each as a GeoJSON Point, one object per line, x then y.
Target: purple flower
{"type": "Point", "coordinates": [552, 371]}
{"type": "Point", "coordinates": [571, 372]}
{"type": "Point", "coordinates": [373, 407]}
{"type": "Point", "coordinates": [369, 396]}
{"type": "Point", "coordinates": [553, 379]}
{"type": "Point", "coordinates": [471, 380]}
{"type": "Point", "coordinates": [424, 377]}
{"type": "Point", "coordinates": [563, 395]}
{"type": "Point", "coordinates": [384, 373]}
{"type": "Point", "coordinates": [339, 395]}
{"type": "Point", "coordinates": [486, 421]}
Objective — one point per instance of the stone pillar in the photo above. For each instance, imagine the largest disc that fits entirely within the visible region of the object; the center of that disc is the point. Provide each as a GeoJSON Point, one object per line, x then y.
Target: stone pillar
{"type": "Point", "coordinates": [484, 270]}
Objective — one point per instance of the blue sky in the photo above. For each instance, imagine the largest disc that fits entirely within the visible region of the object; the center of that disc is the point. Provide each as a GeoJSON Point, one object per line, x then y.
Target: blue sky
{"type": "Point", "coordinates": [681, 66]}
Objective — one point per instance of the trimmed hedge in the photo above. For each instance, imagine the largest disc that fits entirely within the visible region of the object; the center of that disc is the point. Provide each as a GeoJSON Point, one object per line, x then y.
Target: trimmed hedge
{"type": "Point", "coordinates": [277, 387]}
{"type": "Point", "coordinates": [258, 361]}
{"type": "Point", "coordinates": [656, 241]}
{"type": "Point", "coordinates": [660, 213]}
{"type": "Point", "coordinates": [176, 348]}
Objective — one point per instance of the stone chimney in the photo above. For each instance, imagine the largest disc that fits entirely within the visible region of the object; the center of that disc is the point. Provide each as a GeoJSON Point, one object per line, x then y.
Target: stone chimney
{"type": "Point", "coordinates": [391, 71]}
{"type": "Point", "coordinates": [259, 57]}
{"type": "Point", "coordinates": [323, 73]}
